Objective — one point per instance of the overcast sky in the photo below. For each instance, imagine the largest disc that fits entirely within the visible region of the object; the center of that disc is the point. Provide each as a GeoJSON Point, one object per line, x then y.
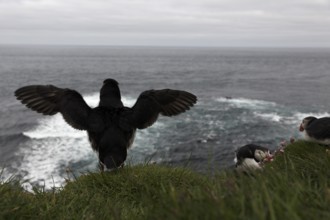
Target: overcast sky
{"type": "Point", "coordinates": [270, 23]}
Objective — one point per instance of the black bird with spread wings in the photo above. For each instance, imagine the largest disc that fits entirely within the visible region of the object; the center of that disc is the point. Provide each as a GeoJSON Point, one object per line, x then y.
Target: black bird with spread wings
{"type": "Point", "coordinates": [110, 126]}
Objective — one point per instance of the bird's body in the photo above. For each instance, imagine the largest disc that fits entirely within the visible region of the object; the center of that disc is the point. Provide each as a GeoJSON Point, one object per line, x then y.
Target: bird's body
{"type": "Point", "coordinates": [113, 139]}
{"type": "Point", "coordinates": [250, 156]}
{"type": "Point", "coordinates": [110, 126]}
{"type": "Point", "coordinates": [316, 129]}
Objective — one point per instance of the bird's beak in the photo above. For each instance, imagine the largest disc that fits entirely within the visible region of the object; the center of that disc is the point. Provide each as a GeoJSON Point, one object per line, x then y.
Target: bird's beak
{"type": "Point", "coordinates": [301, 128]}
{"type": "Point", "coordinates": [269, 158]}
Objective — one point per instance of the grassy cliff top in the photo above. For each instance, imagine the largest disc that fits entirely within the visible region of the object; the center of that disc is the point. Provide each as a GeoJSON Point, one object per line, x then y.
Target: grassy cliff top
{"type": "Point", "coordinates": [296, 185]}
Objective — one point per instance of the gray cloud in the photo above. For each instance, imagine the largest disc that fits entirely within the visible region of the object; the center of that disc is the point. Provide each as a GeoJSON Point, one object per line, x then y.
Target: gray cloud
{"type": "Point", "coordinates": [167, 22]}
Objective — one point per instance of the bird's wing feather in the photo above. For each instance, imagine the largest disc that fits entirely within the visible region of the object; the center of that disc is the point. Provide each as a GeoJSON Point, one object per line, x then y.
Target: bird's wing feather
{"type": "Point", "coordinates": [319, 128]}
{"type": "Point", "coordinates": [166, 102]}
{"type": "Point", "coordinates": [49, 100]}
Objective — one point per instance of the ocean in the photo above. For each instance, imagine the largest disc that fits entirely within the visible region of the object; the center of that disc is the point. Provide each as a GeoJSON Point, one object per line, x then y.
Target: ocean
{"type": "Point", "coordinates": [245, 95]}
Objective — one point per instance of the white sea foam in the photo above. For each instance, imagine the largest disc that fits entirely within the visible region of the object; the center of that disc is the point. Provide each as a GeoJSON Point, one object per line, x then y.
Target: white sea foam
{"type": "Point", "coordinates": [289, 118]}
{"type": "Point", "coordinates": [246, 103]}
{"type": "Point", "coordinates": [265, 110]}
{"type": "Point", "coordinates": [297, 117]}
{"type": "Point", "coordinates": [54, 126]}
{"type": "Point", "coordinates": [54, 145]}
{"type": "Point", "coordinates": [45, 160]}
{"type": "Point", "coordinates": [269, 111]}
{"type": "Point", "coordinates": [271, 116]}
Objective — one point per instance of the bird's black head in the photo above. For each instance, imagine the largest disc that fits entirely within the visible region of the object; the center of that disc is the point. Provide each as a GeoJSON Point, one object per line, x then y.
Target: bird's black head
{"type": "Point", "coordinates": [111, 162]}
{"type": "Point", "coordinates": [110, 81]}
{"type": "Point", "coordinates": [305, 122]}
{"type": "Point", "coordinates": [110, 94]}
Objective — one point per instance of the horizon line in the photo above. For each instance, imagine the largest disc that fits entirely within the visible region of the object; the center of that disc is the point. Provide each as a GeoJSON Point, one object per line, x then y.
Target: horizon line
{"type": "Point", "coordinates": [168, 46]}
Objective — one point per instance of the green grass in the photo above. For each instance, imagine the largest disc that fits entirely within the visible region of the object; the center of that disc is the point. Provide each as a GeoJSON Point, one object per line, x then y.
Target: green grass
{"type": "Point", "coordinates": [294, 186]}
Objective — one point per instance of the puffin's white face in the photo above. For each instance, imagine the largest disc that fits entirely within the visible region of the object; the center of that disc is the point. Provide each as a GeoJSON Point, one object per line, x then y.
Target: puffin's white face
{"type": "Point", "coordinates": [303, 125]}
{"type": "Point", "coordinates": [305, 122]}
{"type": "Point", "coordinates": [261, 155]}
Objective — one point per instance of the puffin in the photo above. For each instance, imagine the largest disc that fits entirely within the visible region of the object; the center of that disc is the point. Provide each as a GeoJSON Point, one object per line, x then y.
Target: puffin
{"type": "Point", "coordinates": [110, 126]}
{"type": "Point", "coordinates": [316, 129]}
{"type": "Point", "coordinates": [251, 156]}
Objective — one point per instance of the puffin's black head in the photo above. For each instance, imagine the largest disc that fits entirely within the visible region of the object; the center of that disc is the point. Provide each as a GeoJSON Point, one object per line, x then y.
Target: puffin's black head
{"type": "Point", "coordinates": [110, 94]}
{"type": "Point", "coordinates": [113, 162]}
{"type": "Point", "coordinates": [305, 122]}
{"type": "Point", "coordinates": [110, 81]}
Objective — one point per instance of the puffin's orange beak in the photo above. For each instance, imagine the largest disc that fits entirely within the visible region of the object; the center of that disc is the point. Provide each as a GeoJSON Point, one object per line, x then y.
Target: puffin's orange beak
{"type": "Point", "coordinates": [269, 158]}
{"type": "Point", "coordinates": [301, 128]}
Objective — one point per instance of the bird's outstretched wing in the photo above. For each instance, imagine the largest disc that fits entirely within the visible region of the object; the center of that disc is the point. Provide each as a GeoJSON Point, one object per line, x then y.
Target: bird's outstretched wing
{"type": "Point", "coordinates": [49, 100]}
{"type": "Point", "coordinates": [166, 102]}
